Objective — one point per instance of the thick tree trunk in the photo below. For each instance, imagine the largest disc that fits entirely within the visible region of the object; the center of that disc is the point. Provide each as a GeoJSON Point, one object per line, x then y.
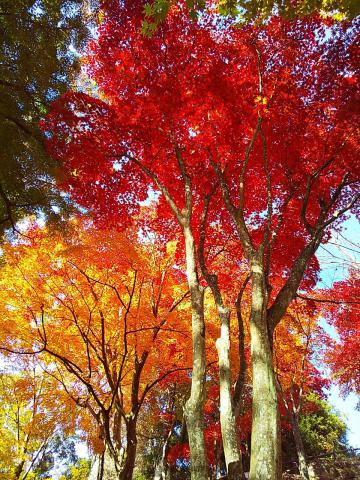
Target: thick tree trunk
{"type": "Point", "coordinates": [300, 450]}
{"type": "Point", "coordinates": [265, 437]}
{"type": "Point", "coordinates": [194, 407]}
{"type": "Point", "coordinates": [227, 416]}
{"type": "Point", "coordinates": [128, 467]}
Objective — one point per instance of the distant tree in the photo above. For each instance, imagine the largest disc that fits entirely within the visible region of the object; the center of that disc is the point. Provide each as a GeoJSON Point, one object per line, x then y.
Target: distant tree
{"type": "Point", "coordinates": [79, 471]}
{"type": "Point", "coordinates": [322, 429]}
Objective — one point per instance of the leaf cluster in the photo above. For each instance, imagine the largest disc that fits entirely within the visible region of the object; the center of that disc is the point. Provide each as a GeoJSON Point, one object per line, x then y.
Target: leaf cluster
{"type": "Point", "coordinates": [37, 63]}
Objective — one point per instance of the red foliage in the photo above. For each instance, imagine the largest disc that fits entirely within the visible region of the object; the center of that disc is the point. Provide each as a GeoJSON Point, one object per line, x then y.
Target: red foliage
{"type": "Point", "coordinates": [180, 451]}
{"type": "Point", "coordinates": [194, 89]}
{"type": "Point", "coordinates": [343, 353]}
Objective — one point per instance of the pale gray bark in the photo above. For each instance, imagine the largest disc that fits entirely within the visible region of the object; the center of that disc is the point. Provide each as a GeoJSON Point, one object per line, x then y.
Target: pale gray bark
{"type": "Point", "coordinates": [240, 382]}
{"type": "Point", "coordinates": [95, 469]}
{"type": "Point", "coordinates": [109, 468]}
{"type": "Point", "coordinates": [227, 415]}
{"type": "Point", "coordinates": [103, 467]}
{"type": "Point", "coordinates": [194, 407]}
{"type": "Point", "coordinates": [160, 468]}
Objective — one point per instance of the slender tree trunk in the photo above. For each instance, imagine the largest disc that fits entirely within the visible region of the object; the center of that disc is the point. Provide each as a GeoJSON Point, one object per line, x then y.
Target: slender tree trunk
{"type": "Point", "coordinates": [240, 382]}
{"type": "Point", "coordinates": [227, 416]}
{"type": "Point", "coordinates": [227, 411]}
{"type": "Point", "coordinates": [95, 468]}
{"type": "Point", "coordinates": [104, 467]}
{"type": "Point", "coordinates": [160, 468]}
{"type": "Point", "coordinates": [194, 407]}
{"type": "Point", "coordinates": [108, 467]}
{"type": "Point", "coordinates": [19, 470]}
{"type": "Point", "coordinates": [300, 450]}
{"type": "Point", "coordinates": [265, 437]}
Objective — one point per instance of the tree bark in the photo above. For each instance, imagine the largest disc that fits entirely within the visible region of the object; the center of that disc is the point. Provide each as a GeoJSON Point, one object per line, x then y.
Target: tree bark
{"type": "Point", "coordinates": [227, 411]}
{"type": "Point", "coordinates": [227, 416]}
{"type": "Point", "coordinates": [265, 438]}
{"type": "Point", "coordinates": [109, 466]}
{"type": "Point", "coordinates": [300, 450]}
{"type": "Point", "coordinates": [19, 470]}
{"type": "Point", "coordinates": [95, 468]}
{"type": "Point", "coordinates": [194, 407]}
{"type": "Point", "coordinates": [131, 447]}
{"type": "Point", "coordinates": [240, 382]}
{"type": "Point", "coordinates": [161, 467]}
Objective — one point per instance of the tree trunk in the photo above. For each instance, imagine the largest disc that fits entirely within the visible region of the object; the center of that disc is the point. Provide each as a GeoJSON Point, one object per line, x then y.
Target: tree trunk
{"type": "Point", "coordinates": [109, 467]}
{"type": "Point", "coordinates": [265, 461]}
{"type": "Point", "coordinates": [131, 439]}
{"type": "Point", "coordinates": [227, 416]}
{"type": "Point", "coordinates": [194, 407]}
{"type": "Point", "coordinates": [95, 468]}
{"type": "Point", "coordinates": [161, 467]}
{"type": "Point", "coordinates": [300, 450]}
{"type": "Point", "coordinates": [19, 470]}
{"type": "Point", "coordinates": [106, 467]}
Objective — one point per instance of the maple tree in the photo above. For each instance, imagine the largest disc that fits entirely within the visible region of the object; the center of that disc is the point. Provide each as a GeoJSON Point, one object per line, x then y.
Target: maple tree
{"type": "Point", "coordinates": [340, 307]}
{"type": "Point", "coordinates": [300, 388]}
{"type": "Point", "coordinates": [103, 316]}
{"type": "Point", "coordinates": [256, 124]}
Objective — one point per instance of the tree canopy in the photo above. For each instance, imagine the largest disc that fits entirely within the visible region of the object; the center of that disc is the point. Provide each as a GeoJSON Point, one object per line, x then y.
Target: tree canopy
{"type": "Point", "coordinates": [177, 323]}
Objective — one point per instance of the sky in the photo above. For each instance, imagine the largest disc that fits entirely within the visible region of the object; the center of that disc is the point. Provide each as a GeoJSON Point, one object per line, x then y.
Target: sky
{"type": "Point", "coordinates": [335, 260]}
{"type": "Point", "coordinates": [350, 415]}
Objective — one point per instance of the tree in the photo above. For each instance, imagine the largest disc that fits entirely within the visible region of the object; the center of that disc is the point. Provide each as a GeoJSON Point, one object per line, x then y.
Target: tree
{"type": "Point", "coordinates": [79, 471]}
{"type": "Point", "coordinates": [35, 423]}
{"type": "Point", "coordinates": [322, 429]}
{"type": "Point", "coordinates": [341, 309]}
{"type": "Point", "coordinates": [260, 120]}
{"type": "Point", "coordinates": [102, 313]}
{"type": "Point", "coordinates": [295, 345]}
{"type": "Point", "coordinates": [36, 65]}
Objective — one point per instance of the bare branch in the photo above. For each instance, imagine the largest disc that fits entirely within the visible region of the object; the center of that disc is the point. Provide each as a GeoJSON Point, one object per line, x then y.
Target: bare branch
{"type": "Point", "coordinates": [328, 300]}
